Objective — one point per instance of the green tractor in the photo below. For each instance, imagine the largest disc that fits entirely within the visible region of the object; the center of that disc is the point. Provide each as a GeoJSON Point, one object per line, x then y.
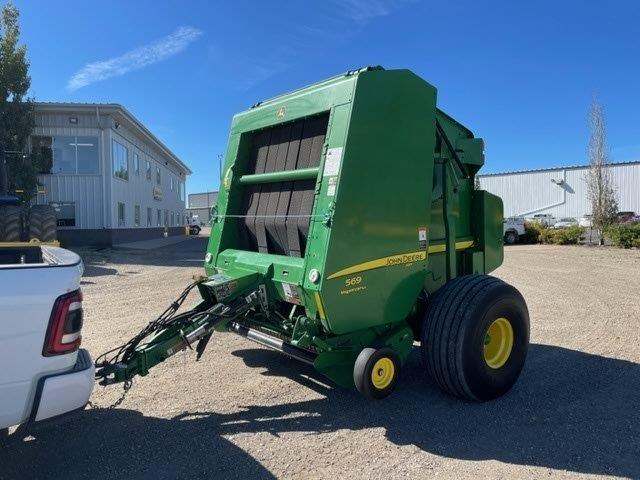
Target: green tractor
{"type": "Point", "coordinates": [347, 229]}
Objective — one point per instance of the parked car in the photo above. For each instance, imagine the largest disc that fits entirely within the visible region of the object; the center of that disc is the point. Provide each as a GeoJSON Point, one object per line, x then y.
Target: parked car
{"type": "Point", "coordinates": [565, 222]}
{"type": "Point", "coordinates": [545, 219]}
{"type": "Point", "coordinates": [626, 217]}
{"type": "Point", "coordinates": [44, 372]}
{"type": "Point", "coordinates": [513, 228]}
{"type": "Point", "coordinates": [586, 221]}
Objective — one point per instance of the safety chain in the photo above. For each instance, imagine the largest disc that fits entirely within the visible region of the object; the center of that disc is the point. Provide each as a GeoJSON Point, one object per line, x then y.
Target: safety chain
{"type": "Point", "coordinates": [125, 389]}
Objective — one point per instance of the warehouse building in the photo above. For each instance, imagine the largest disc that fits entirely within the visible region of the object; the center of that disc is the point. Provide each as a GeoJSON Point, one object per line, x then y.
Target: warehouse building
{"type": "Point", "coordinates": [111, 180]}
{"type": "Point", "coordinates": [199, 204]}
{"type": "Point", "coordinates": [561, 191]}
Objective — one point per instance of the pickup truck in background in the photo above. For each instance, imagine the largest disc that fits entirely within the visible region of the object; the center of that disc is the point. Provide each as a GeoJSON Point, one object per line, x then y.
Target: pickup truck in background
{"type": "Point", "coordinates": [44, 372]}
{"type": "Point", "coordinates": [513, 229]}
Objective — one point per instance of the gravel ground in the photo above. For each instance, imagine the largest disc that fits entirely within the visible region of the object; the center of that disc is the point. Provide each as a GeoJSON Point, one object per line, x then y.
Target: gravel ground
{"type": "Point", "coordinates": [246, 412]}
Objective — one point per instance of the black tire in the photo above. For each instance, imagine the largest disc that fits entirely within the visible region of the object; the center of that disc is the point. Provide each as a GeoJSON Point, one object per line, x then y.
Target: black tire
{"type": "Point", "coordinates": [456, 327]}
{"type": "Point", "coordinates": [42, 223]}
{"type": "Point", "coordinates": [510, 238]}
{"type": "Point", "coordinates": [11, 223]}
{"type": "Point", "coordinates": [363, 369]}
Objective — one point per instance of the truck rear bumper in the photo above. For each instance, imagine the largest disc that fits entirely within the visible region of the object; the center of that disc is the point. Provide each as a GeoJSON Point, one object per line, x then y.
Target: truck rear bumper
{"type": "Point", "coordinates": [66, 391]}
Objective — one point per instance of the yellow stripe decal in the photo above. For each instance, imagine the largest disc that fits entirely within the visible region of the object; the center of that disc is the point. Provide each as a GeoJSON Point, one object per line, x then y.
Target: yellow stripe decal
{"type": "Point", "coordinates": [400, 259]}
{"type": "Point", "coordinates": [441, 247]}
{"type": "Point", "coordinates": [319, 305]}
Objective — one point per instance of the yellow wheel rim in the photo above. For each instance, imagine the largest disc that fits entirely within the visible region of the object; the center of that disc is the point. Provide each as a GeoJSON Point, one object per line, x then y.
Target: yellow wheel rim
{"type": "Point", "coordinates": [382, 373]}
{"type": "Point", "coordinates": [498, 342]}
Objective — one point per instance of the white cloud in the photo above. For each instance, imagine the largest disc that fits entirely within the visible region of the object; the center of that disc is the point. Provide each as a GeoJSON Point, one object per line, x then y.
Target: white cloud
{"type": "Point", "coordinates": [134, 59]}
{"type": "Point", "coordinates": [363, 11]}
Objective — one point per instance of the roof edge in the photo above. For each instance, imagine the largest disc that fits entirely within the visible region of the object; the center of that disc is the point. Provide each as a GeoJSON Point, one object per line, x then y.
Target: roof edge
{"type": "Point", "coordinates": [550, 169]}
{"type": "Point", "coordinates": [113, 108]}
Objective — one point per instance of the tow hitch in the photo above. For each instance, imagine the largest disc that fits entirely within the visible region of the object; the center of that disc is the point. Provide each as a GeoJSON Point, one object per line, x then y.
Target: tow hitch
{"type": "Point", "coordinates": [171, 333]}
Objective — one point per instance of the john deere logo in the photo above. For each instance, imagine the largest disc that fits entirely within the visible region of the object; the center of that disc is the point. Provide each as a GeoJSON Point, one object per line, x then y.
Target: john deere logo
{"type": "Point", "coordinates": [280, 113]}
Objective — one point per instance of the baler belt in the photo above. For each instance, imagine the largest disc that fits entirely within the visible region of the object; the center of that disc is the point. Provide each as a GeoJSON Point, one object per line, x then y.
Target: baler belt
{"type": "Point", "coordinates": [278, 214]}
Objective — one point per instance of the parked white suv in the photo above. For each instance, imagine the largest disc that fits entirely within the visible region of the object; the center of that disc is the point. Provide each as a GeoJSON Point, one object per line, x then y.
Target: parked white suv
{"type": "Point", "coordinates": [513, 229]}
{"type": "Point", "coordinates": [44, 373]}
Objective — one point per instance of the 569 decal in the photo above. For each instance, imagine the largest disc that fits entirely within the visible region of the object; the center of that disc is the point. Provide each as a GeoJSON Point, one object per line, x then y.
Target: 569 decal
{"type": "Point", "coordinates": [352, 285]}
{"type": "Point", "coordinates": [353, 281]}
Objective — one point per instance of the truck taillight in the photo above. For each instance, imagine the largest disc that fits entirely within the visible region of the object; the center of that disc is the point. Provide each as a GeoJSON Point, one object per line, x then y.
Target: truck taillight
{"type": "Point", "coordinates": [63, 333]}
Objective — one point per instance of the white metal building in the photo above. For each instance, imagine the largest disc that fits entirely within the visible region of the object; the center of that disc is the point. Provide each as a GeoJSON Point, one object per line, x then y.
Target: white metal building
{"type": "Point", "coordinates": [560, 191]}
{"type": "Point", "coordinates": [200, 204]}
{"type": "Point", "coordinates": [112, 180]}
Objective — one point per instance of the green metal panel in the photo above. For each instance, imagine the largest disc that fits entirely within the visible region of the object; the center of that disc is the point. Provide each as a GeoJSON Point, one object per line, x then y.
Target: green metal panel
{"type": "Point", "coordinates": [382, 200]}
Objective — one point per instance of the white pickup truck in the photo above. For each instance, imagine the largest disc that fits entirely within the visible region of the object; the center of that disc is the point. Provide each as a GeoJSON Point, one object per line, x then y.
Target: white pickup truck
{"type": "Point", "coordinates": [43, 372]}
{"type": "Point", "coordinates": [513, 229]}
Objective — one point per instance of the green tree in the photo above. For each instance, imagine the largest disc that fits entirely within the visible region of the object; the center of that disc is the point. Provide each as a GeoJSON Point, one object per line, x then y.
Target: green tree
{"type": "Point", "coordinates": [600, 188]}
{"type": "Point", "coordinates": [17, 110]}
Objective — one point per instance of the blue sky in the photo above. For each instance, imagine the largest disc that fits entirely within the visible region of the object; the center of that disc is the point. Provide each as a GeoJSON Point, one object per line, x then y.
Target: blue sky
{"type": "Point", "coordinates": [519, 74]}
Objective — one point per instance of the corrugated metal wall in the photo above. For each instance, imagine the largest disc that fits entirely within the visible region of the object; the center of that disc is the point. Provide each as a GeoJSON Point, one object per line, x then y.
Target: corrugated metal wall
{"type": "Point", "coordinates": [85, 190]}
{"type": "Point", "coordinates": [527, 193]}
{"type": "Point", "coordinates": [202, 200]}
{"type": "Point", "coordinates": [96, 196]}
{"type": "Point", "coordinates": [138, 190]}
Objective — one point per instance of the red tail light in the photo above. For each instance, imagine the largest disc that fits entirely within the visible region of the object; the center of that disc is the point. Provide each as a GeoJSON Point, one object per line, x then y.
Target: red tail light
{"type": "Point", "coordinates": [63, 333]}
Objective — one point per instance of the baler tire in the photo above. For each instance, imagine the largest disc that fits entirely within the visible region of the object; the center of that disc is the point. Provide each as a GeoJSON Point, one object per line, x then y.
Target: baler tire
{"type": "Point", "coordinates": [455, 332]}
{"type": "Point", "coordinates": [42, 223]}
{"type": "Point", "coordinates": [363, 372]}
{"type": "Point", "coordinates": [11, 223]}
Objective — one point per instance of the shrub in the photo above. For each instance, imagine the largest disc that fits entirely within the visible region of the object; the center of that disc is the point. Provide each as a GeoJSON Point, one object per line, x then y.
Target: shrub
{"type": "Point", "coordinates": [624, 235]}
{"type": "Point", "coordinates": [561, 236]}
{"type": "Point", "coordinates": [531, 232]}
{"type": "Point", "coordinates": [569, 235]}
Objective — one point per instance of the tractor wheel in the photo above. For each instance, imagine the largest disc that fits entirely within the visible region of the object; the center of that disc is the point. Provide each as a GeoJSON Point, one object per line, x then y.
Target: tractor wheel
{"type": "Point", "coordinates": [375, 372]}
{"type": "Point", "coordinates": [510, 238]}
{"type": "Point", "coordinates": [10, 223]}
{"type": "Point", "coordinates": [475, 337]}
{"type": "Point", "coordinates": [42, 223]}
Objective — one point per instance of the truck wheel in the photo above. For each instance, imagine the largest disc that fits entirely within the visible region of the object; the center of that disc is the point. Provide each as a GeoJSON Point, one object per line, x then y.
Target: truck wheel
{"type": "Point", "coordinates": [475, 337]}
{"type": "Point", "coordinates": [42, 223]}
{"type": "Point", "coordinates": [375, 372]}
{"type": "Point", "coordinates": [510, 238]}
{"type": "Point", "coordinates": [10, 223]}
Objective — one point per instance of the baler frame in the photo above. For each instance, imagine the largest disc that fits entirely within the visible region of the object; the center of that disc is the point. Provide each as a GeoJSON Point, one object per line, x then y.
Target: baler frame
{"type": "Point", "coordinates": [318, 292]}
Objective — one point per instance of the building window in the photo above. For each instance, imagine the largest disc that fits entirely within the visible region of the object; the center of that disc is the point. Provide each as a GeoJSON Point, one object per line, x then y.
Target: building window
{"type": "Point", "coordinates": [136, 163]}
{"type": "Point", "coordinates": [136, 215]}
{"type": "Point", "coordinates": [158, 175]}
{"type": "Point", "coordinates": [149, 215]}
{"type": "Point", "coordinates": [148, 170]}
{"type": "Point", "coordinates": [182, 191]}
{"type": "Point", "coordinates": [159, 218]}
{"type": "Point", "coordinates": [166, 218]}
{"type": "Point", "coordinates": [119, 160]}
{"type": "Point", "coordinates": [70, 155]}
{"type": "Point", "coordinates": [172, 219]}
{"type": "Point", "coordinates": [121, 215]}
{"type": "Point", "coordinates": [65, 213]}
{"type": "Point", "coordinates": [171, 182]}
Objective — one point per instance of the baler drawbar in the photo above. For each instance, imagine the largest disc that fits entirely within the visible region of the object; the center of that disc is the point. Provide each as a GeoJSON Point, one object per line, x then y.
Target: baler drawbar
{"type": "Point", "coordinates": [348, 227]}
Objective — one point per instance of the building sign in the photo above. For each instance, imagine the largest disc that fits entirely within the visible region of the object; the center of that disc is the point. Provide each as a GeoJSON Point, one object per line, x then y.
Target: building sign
{"type": "Point", "coordinates": [157, 193]}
